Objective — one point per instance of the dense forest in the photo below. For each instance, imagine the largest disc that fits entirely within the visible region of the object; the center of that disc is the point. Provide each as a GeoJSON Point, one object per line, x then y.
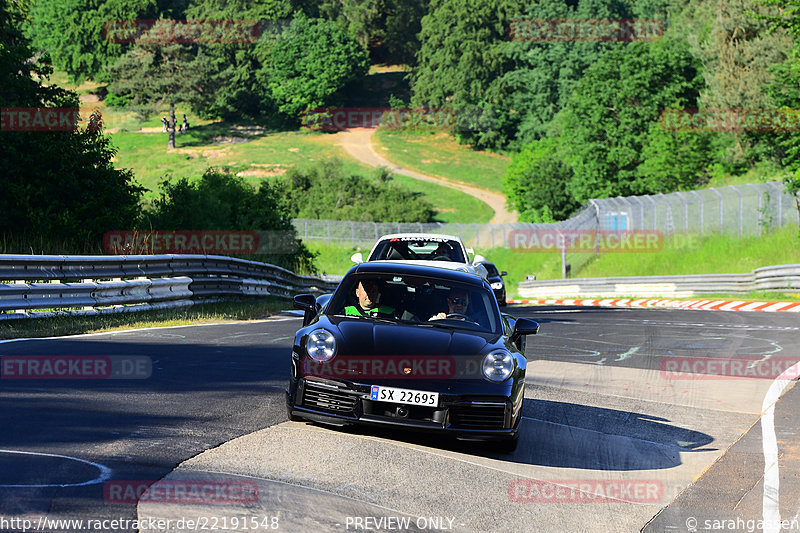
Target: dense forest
{"type": "Point", "coordinates": [581, 117]}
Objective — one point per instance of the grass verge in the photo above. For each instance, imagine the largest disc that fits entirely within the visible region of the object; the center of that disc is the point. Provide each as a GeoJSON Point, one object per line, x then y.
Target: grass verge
{"type": "Point", "coordinates": [439, 154]}
{"type": "Point", "coordinates": [196, 314]}
{"type": "Point", "coordinates": [712, 254]}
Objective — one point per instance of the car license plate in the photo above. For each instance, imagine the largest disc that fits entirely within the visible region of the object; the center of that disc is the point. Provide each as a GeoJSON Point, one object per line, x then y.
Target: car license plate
{"type": "Point", "coordinates": [406, 396]}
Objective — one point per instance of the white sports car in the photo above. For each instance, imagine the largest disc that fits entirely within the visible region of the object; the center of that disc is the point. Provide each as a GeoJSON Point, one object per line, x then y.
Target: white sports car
{"type": "Point", "coordinates": [432, 249]}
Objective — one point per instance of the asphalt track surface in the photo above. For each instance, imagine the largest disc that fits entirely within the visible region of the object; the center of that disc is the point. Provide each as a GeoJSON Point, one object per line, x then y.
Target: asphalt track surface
{"type": "Point", "coordinates": [611, 441]}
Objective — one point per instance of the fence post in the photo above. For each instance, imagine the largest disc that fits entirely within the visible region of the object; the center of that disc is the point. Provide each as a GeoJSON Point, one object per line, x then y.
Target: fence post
{"type": "Point", "coordinates": [685, 213]}
{"type": "Point", "coordinates": [328, 223]}
{"type": "Point", "coordinates": [741, 202]}
{"type": "Point", "coordinates": [353, 232]}
{"type": "Point", "coordinates": [655, 211]}
{"type": "Point", "coordinates": [700, 205]}
{"type": "Point", "coordinates": [779, 198]}
{"type": "Point", "coordinates": [720, 207]}
{"type": "Point", "coordinates": [760, 206]}
{"type": "Point", "coordinates": [306, 224]}
{"type": "Point", "coordinates": [641, 211]}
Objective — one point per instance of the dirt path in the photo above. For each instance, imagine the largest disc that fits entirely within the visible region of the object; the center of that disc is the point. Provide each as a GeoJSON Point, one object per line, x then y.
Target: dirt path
{"type": "Point", "coordinates": [358, 143]}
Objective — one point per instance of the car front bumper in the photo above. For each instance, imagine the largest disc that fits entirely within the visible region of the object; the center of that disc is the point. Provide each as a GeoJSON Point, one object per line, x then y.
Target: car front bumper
{"type": "Point", "coordinates": [470, 417]}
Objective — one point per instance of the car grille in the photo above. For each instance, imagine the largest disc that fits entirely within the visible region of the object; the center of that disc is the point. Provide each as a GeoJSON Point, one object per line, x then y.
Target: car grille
{"type": "Point", "coordinates": [319, 397]}
{"type": "Point", "coordinates": [478, 416]}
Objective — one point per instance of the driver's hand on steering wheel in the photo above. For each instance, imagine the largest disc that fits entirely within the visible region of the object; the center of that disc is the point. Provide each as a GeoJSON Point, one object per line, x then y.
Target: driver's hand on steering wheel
{"type": "Point", "coordinates": [438, 316]}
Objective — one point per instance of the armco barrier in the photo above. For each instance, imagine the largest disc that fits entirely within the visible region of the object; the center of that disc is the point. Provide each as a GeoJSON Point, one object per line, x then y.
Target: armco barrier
{"type": "Point", "coordinates": [779, 278]}
{"type": "Point", "coordinates": [105, 284]}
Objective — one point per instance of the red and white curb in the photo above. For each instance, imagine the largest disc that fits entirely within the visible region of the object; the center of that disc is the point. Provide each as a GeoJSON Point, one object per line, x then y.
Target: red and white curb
{"type": "Point", "coordinates": [708, 305]}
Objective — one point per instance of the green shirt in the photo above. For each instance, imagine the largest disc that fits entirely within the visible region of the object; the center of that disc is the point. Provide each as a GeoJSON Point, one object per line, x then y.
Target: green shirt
{"type": "Point", "coordinates": [354, 310]}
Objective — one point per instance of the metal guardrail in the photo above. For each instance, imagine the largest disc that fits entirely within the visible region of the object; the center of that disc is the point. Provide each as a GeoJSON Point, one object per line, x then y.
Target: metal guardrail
{"type": "Point", "coordinates": [107, 284]}
{"type": "Point", "coordinates": [779, 278]}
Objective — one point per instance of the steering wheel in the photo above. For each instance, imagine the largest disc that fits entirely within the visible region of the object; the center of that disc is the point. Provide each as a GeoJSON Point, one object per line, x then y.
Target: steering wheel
{"type": "Point", "coordinates": [459, 316]}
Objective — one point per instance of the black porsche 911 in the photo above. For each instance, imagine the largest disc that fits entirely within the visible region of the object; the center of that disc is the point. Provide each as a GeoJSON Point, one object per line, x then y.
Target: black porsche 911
{"type": "Point", "coordinates": [411, 346]}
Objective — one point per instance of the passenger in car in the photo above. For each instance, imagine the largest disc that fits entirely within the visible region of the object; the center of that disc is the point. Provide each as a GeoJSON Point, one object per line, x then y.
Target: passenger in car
{"type": "Point", "coordinates": [457, 304]}
{"type": "Point", "coordinates": [368, 294]}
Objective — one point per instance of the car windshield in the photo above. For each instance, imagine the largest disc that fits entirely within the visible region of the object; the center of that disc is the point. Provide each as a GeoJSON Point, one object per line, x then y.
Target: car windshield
{"type": "Point", "coordinates": [415, 299]}
{"type": "Point", "coordinates": [413, 249]}
{"type": "Point", "coordinates": [491, 269]}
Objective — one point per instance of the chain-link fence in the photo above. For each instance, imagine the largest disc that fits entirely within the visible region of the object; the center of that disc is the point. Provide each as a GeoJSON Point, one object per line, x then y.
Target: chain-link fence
{"type": "Point", "coordinates": [741, 210]}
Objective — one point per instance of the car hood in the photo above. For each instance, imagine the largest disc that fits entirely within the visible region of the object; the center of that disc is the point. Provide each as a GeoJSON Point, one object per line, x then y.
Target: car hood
{"type": "Point", "coordinates": [368, 337]}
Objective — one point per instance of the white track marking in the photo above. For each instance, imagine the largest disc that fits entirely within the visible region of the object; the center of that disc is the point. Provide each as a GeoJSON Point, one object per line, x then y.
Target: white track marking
{"type": "Point", "coordinates": [105, 472]}
{"type": "Point", "coordinates": [770, 503]}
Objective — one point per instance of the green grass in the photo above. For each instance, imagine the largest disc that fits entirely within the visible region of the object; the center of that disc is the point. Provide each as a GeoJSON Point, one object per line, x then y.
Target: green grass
{"type": "Point", "coordinates": [712, 254]}
{"type": "Point", "coordinates": [197, 314]}
{"type": "Point", "coordinates": [438, 154]}
{"type": "Point", "coordinates": [256, 157]}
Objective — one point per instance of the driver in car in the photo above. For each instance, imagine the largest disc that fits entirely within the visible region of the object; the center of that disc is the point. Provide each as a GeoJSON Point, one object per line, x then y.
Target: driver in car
{"type": "Point", "coordinates": [368, 294]}
{"type": "Point", "coordinates": [457, 303]}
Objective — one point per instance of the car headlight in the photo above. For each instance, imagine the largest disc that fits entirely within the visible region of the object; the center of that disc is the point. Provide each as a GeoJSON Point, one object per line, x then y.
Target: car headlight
{"type": "Point", "coordinates": [321, 345]}
{"type": "Point", "coordinates": [497, 285]}
{"type": "Point", "coordinates": [498, 365]}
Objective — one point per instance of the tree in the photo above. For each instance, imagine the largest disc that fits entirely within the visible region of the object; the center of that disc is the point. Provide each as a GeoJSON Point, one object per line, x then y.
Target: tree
{"type": "Point", "coordinates": [738, 57]}
{"type": "Point", "coordinates": [73, 32]}
{"type": "Point", "coordinates": [154, 74]}
{"type": "Point", "coordinates": [220, 200]}
{"type": "Point", "coordinates": [60, 188]}
{"type": "Point", "coordinates": [386, 28]}
{"type": "Point", "coordinates": [544, 74]}
{"type": "Point", "coordinates": [536, 183]}
{"type": "Point", "coordinates": [460, 57]}
{"type": "Point", "coordinates": [326, 191]}
{"type": "Point", "coordinates": [308, 64]}
{"type": "Point", "coordinates": [608, 118]}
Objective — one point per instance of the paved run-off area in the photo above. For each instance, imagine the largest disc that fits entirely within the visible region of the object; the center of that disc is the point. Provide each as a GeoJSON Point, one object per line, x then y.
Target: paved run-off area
{"type": "Point", "coordinates": [611, 440]}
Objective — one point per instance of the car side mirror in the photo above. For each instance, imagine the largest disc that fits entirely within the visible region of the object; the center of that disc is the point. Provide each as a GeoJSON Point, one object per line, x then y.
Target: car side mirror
{"type": "Point", "coordinates": [504, 273]}
{"type": "Point", "coordinates": [308, 304]}
{"type": "Point", "coordinates": [478, 259]}
{"type": "Point", "coordinates": [523, 327]}
{"type": "Point", "coordinates": [357, 257]}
